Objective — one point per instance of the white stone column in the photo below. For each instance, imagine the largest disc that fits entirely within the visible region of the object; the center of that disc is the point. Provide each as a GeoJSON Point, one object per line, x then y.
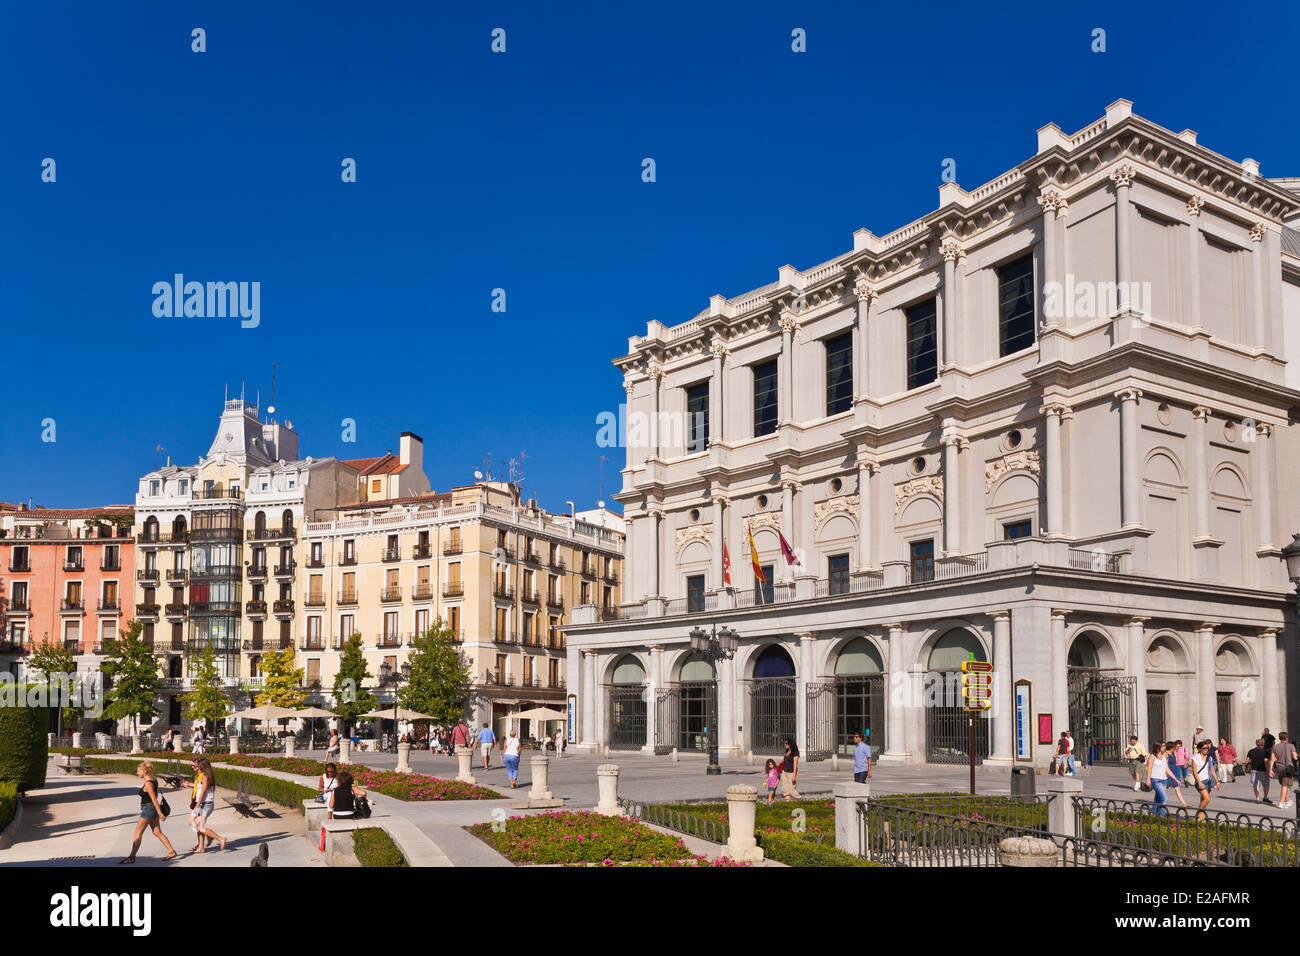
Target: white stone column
{"type": "Point", "coordinates": [656, 677]}
{"type": "Point", "coordinates": [1055, 414]}
{"type": "Point", "coordinates": [742, 811]}
{"type": "Point", "coordinates": [865, 292]}
{"type": "Point", "coordinates": [1049, 198]}
{"type": "Point", "coordinates": [1200, 477]}
{"type": "Point", "coordinates": [1004, 712]}
{"type": "Point", "coordinates": [897, 697]}
{"type": "Point", "coordinates": [949, 351]}
{"type": "Point", "coordinates": [952, 538]}
{"type": "Point", "coordinates": [1262, 452]}
{"type": "Point", "coordinates": [1060, 684]}
{"type": "Point", "coordinates": [1194, 204]}
{"type": "Point", "coordinates": [1130, 473]}
{"type": "Point", "coordinates": [1122, 177]}
{"type": "Point", "coordinates": [729, 715]}
{"type": "Point", "coordinates": [1269, 672]}
{"type": "Point", "coordinates": [785, 370]}
{"type": "Point", "coordinates": [803, 733]}
{"type": "Point", "coordinates": [719, 537]}
{"type": "Point", "coordinates": [717, 391]}
{"type": "Point", "coordinates": [607, 786]}
{"type": "Point", "coordinates": [865, 497]}
{"type": "Point", "coordinates": [588, 698]}
{"type": "Point", "coordinates": [1257, 234]}
{"type": "Point", "coordinates": [656, 536]}
{"type": "Point", "coordinates": [656, 376]}
{"type": "Point", "coordinates": [1137, 668]}
{"type": "Point", "coordinates": [1207, 703]}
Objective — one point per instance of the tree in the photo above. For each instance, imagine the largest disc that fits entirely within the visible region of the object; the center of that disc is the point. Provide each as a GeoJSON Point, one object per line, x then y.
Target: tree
{"type": "Point", "coordinates": [281, 681]}
{"type": "Point", "coordinates": [438, 676]}
{"type": "Point", "coordinates": [351, 699]}
{"type": "Point", "coordinates": [54, 662]}
{"type": "Point", "coordinates": [130, 662]}
{"type": "Point", "coordinates": [206, 701]}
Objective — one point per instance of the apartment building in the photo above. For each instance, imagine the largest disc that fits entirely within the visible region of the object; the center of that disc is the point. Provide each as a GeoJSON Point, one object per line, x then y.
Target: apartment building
{"type": "Point", "coordinates": [503, 574]}
{"type": "Point", "coordinates": [65, 577]}
{"type": "Point", "coordinates": [1047, 424]}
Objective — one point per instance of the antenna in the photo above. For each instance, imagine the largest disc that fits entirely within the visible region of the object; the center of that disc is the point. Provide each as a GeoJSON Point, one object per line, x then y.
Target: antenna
{"type": "Point", "coordinates": [603, 459]}
{"type": "Point", "coordinates": [274, 367]}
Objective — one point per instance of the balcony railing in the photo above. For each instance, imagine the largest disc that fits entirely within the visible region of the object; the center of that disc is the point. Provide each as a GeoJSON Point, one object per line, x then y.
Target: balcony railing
{"type": "Point", "coordinates": [217, 572]}
{"type": "Point", "coordinates": [347, 597]}
{"type": "Point", "coordinates": [313, 600]}
{"type": "Point", "coordinates": [17, 606]}
{"type": "Point", "coordinates": [110, 565]}
{"type": "Point", "coordinates": [74, 646]}
{"type": "Point", "coordinates": [610, 577]}
{"type": "Point", "coordinates": [504, 591]}
{"type": "Point", "coordinates": [12, 647]}
{"type": "Point", "coordinates": [74, 604]}
{"type": "Point", "coordinates": [533, 557]}
{"type": "Point", "coordinates": [505, 637]}
{"type": "Point", "coordinates": [557, 563]}
{"type": "Point", "coordinates": [389, 640]}
{"type": "Point", "coordinates": [74, 564]}
{"type": "Point", "coordinates": [273, 534]}
{"type": "Point", "coordinates": [348, 560]}
{"type": "Point", "coordinates": [555, 602]}
{"type": "Point", "coordinates": [315, 563]}
{"type": "Point", "coordinates": [310, 643]}
{"type": "Point", "coordinates": [108, 606]}
{"type": "Point", "coordinates": [257, 572]}
{"type": "Point", "coordinates": [254, 644]}
{"type": "Point", "coordinates": [390, 594]}
{"type": "Point", "coordinates": [420, 551]}
{"type": "Point", "coordinates": [453, 547]}
{"type": "Point", "coordinates": [529, 597]}
{"type": "Point", "coordinates": [392, 554]}
{"type": "Point", "coordinates": [213, 608]}
{"type": "Point", "coordinates": [283, 606]}
{"type": "Point", "coordinates": [146, 610]}
{"type": "Point", "coordinates": [285, 570]}
{"type": "Point", "coordinates": [147, 574]}
{"type": "Point", "coordinates": [421, 592]}
{"type": "Point", "coordinates": [498, 680]}
{"type": "Point", "coordinates": [162, 537]}
{"type": "Point", "coordinates": [175, 610]}
{"type": "Point", "coordinates": [453, 589]}
{"type": "Point", "coordinates": [209, 494]}
{"type": "Point", "coordinates": [256, 608]}
{"type": "Point", "coordinates": [19, 566]}
{"type": "Point", "coordinates": [176, 576]}
{"type": "Point", "coordinates": [1083, 560]}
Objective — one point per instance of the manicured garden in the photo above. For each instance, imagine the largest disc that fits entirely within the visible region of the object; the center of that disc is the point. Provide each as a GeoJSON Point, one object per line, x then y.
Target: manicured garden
{"type": "Point", "coordinates": [585, 838]}
{"type": "Point", "coordinates": [374, 847]}
{"type": "Point", "coordinates": [286, 793]}
{"type": "Point", "coordinates": [8, 803]}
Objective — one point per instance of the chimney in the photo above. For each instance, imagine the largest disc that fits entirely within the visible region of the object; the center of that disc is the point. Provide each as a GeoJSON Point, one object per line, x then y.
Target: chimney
{"type": "Point", "coordinates": [412, 451]}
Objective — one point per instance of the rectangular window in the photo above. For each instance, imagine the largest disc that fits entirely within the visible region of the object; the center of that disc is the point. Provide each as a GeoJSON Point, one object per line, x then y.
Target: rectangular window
{"type": "Point", "coordinates": [390, 625]}
{"type": "Point", "coordinates": [695, 592]}
{"type": "Point", "coordinates": [922, 346]}
{"type": "Point", "coordinates": [553, 666]}
{"type": "Point", "coordinates": [347, 626]}
{"type": "Point", "coordinates": [499, 626]}
{"type": "Point", "coordinates": [763, 589]}
{"type": "Point", "coordinates": [528, 627]}
{"type": "Point", "coordinates": [586, 594]}
{"type": "Point", "coordinates": [500, 673]}
{"type": "Point", "coordinates": [1017, 529]}
{"type": "Point", "coordinates": [155, 488]}
{"type": "Point", "coordinates": [922, 553]}
{"type": "Point", "coordinates": [528, 671]}
{"type": "Point", "coordinates": [376, 486]}
{"type": "Point", "coordinates": [697, 418]}
{"type": "Point", "coordinates": [1016, 305]}
{"type": "Point", "coordinates": [765, 398]}
{"type": "Point", "coordinates": [313, 672]}
{"type": "Point", "coordinates": [839, 374]}
{"type": "Point", "coordinates": [838, 567]}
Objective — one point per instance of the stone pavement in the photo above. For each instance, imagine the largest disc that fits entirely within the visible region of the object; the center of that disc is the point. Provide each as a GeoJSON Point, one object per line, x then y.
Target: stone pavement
{"type": "Point", "coordinates": [88, 820]}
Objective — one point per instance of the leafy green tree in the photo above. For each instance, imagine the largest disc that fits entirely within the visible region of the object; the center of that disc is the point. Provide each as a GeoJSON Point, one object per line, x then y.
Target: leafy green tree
{"type": "Point", "coordinates": [131, 663]}
{"type": "Point", "coordinates": [206, 701]}
{"type": "Point", "coordinates": [51, 661]}
{"type": "Point", "coordinates": [351, 699]}
{"type": "Point", "coordinates": [438, 676]}
{"type": "Point", "coordinates": [281, 681]}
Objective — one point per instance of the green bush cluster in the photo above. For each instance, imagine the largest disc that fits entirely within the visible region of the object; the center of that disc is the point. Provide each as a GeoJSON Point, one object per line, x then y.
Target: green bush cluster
{"type": "Point", "coordinates": [374, 847]}
{"type": "Point", "coordinates": [792, 849]}
{"type": "Point", "coordinates": [24, 746]}
{"type": "Point", "coordinates": [8, 803]}
{"type": "Point", "coordinates": [78, 751]}
{"type": "Point", "coordinates": [282, 792]}
{"type": "Point", "coordinates": [579, 837]}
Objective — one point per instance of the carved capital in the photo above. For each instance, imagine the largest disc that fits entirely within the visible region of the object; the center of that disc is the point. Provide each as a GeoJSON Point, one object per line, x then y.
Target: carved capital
{"type": "Point", "coordinates": [1208, 626]}
{"type": "Point", "coordinates": [1263, 430]}
{"type": "Point", "coordinates": [1129, 394]}
{"type": "Point", "coordinates": [1123, 175]}
{"type": "Point", "coordinates": [718, 350]}
{"type": "Point", "coordinates": [864, 290]}
{"type": "Point", "coordinates": [1257, 232]}
{"type": "Point", "coordinates": [1050, 199]}
{"type": "Point", "coordinates": [654, 370]}
{"type": "Point", "coordinates": [1000, 616]}
{"type": "Point", "coordinates": [951, 249]}
{"type": "Point", "coordinates": [1136, 621]}
{"type": "Point", "coordinates": [1059, 409]}
{"type": "Point", "coordinates": [629, 387]}
{"type": "Point", "coordinates": [788, 323]}
{"type": "Point", "coordinates": [1194, 204]}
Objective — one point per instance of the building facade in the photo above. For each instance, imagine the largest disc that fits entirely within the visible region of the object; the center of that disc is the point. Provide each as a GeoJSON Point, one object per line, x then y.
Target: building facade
{"type": "Point", "coordinates": [1047, 425]}
{"type": "Point", "coordinates": [503, 575]}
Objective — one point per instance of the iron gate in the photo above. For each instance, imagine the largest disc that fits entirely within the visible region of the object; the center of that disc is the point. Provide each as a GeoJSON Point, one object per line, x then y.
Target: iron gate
{"type": "Point", "coordinates": [821, 720]}
{"type": "Point", "coordinates": [1102, 715]}
{"type": "Point", "coordinates": [1156, 717]}
{"type": "Point", "coordinates": [771, 705]}
{"type": "Point", "coordinates": [693, 719]}
{"type": "Point", "coordinates": [627, 717]}
{"type": "Point", "coordinates": [860, 707]}
{"type": "Point", "coordinates": [667, 703]}
{"type": "Point", "coordinates": [947, 724]}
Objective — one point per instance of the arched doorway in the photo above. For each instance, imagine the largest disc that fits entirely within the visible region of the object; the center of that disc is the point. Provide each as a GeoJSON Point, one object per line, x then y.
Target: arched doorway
{"type": "Point", "coordinates": [772, 701]}
{"type": "Point", "coordinates": [1102, 708]}
{"type": "Point", "coordinates": [859, 696]}
{"type": "Point", "coordinates": [682, 709]}
{"type": "Point", "coordinates": [627, 709]}
{"type": "Point", "coordinates": [947, 738]}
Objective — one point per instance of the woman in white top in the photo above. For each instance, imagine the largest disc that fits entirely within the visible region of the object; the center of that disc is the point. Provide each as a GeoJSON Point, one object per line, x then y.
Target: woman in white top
{"type": "Point", "coordinates": [328, 781]}
{"type": "Point", "coordinates": [1157, 776]}
{"type": "Point", "coordinates": [559, 743]}
{"type": "Point", "coordinates": [1203, 768]}
{"type": "Point", "coordinates": [510, 750]}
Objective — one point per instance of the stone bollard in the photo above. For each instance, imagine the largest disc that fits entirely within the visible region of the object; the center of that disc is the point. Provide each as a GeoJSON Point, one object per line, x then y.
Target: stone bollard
{"type": "Point", "coordinates": [464, 765]}
{"type": "Point", "coordinates": [835, 763]}
{"type": "Point", "coordinates": [178, 745]}
{"type": "Point", "coordinates": [749, 758]}
{"type": "Point", "coordinates": [136, 744]}
{"type": "Point", "coordinates": [1028, 851]}
{"type": "Point", "coordinates": [288, 746]}
{"type": "Point", "coordinates": [539, 789]}
{"type": "Point", "coordinates": [234, 745]}
{"type": "Point", "coordinates": [345, 750]}
{"type": "Point", "coordinates": [676, 756]}
{"type": "Point", "coordinates": [79, 741]}
{"type": "Point", "coordinates": [607, 781]}
{"type": "Point", "coordinates": [606, 751]}
{"type": "Point", "coordinates": [1060, 811]}
{"type": "Point", "coordinates": [404, 757]}
{"type": "Point", "coordinates": [741, 811]}
{"type": "Point", "coordinates": [849, 836]}
{"type": "Point", "coordinates": [49, 740]}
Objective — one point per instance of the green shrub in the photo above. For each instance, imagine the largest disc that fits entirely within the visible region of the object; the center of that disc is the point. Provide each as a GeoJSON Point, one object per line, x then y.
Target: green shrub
{"type": "Point", "coordinates": [8, 803]}
{"type": "Point", "coordinates": [374, 847]}
{"type": "Point", "coordinates": [783, 846]}
{"type": "Point", "coordinates": [566, 836]}
{"type": "Point", "coordinates": [24, 744]}
{"type": "Point", "coordinates": [282, 792]}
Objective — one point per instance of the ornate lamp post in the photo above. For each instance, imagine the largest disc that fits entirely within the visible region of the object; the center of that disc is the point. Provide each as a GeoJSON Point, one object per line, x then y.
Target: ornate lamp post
{"type": "Point", "coordinates": [715, 644]}
{"type": "Point", "coordinates": [388, 677]}
{"type": "Point", "coordinates": [1292, 555]}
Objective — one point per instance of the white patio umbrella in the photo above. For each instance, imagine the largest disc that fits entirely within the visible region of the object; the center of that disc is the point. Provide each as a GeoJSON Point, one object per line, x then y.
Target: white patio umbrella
{"type": "Point", "coordinates": [266, 713]}
{"type": "Point", "coordinates": [538, 714]}
{"type": "Point", "coordinates": [312, 713]}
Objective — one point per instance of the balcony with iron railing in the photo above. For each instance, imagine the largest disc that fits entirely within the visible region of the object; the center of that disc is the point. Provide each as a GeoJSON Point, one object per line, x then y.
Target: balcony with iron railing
{"type": "Point", "coordinates": [505, 592]}
{"type": "Point", "coordinates": [534, 557]}
{"type": "Point", "coordinates": [347, 597]}
{"type": "Point", "coordinates": [422, 592]}
{"type": "Point", "coordinates": [12, 647]}
{"type": "Point", "coordinates": [174, 610]}
{"type": "Point", "coordinates": [73, 646]}
{"type": "Point", "coordinates": [147, 610]}
{"type": "Point", "coordinates": [420, 550]}
{"type": "Point", "coordinates": [212, 494]}
{"type": "Point", "coordinates": [610, 576]}
{"type": "Point", "coordinates": [392, 554]}
{"type": "Point", "coordinates": [555, 602]}
{"type": "Point", "coordinates": [162, 537]}
{"type": "Point", "coordinates": [283, 606]}
{"type": "Point", "coordinates": [110, 564]}
{"type": "Point", "coordinates": [505, 637]}
{"type": "Point", "coordinates": [312, 643]}
{"type": "Point", "coordinates": [315, 562]}
{"type": "Point", "coordinates": [17, 605]}
{"type": "Point", "coordinates": [19, 567]}
{"type": "Point", "coordinates": [453, 548]}
{"type": "Point", "coordinates": [453, 589]}
{"type": "Point", "coordinates": [255, 608]}
{"type": "Point", "coordinates": [313, 599]}
{"type": "Point", "coordinates": [217, 572]}
{"type": "Point", "coordinates": [108, 605]}
{"type": "Point", "coordinates": [254, 644]}
{"type": "Point", "coordinates": [289, 533]}
{"type": "Point", "coordinates": [176, 576]}
{"type": "Point", "coordinates": [147, 575]}
{"type": "Point", "coordinates": [285, 570]}
{"type": "Point", "coordinates": [74, 604]}
{"type": "Point", "coordinates": [492, 678]}
{"type": "Point", "coordinates": [389, 640]}
{"type": "Point", "coordinates": [389, 595]}
{"type": "Point", "coordinates": [257, 572]}
{"type": "Point", "coordinates": [74, 564]}
{"type": "Point", "coordinates": [556, 563]}
{"type": "Point", "coordinates": [529, 597]}
{"type": "Point", "coordinates": [348, 561]}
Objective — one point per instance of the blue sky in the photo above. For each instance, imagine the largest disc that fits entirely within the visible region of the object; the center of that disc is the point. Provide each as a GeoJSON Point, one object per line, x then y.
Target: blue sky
{"type": "Point", "coordinates": [478, 171]}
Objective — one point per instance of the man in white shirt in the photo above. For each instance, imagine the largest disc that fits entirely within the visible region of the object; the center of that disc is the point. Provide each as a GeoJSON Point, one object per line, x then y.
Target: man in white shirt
{"type": "Point", "coordinates": [1069, 757]}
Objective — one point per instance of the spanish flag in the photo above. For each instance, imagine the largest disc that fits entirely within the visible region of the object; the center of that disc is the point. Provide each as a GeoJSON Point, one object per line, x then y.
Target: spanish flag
{"type": "Point", "coordinates": [753, 556]}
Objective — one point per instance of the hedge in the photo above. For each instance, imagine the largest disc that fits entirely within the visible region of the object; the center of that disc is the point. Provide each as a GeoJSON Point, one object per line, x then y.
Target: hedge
{"type": "Point", "coordinates": [782, 846]}
{"type": "Point", "coordinates": [24, 746]}
{"type": "Point", "coordinates": [8, 803]}
{"type": "Point", "coordinates": [283, 792]}
{"type": "Point", "coordinates": [374, 847]}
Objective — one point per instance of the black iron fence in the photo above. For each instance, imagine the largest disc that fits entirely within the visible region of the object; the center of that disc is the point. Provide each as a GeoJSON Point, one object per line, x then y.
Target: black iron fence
{"type": "Point", "coordinates": [947, 829]}
{"type": "Point", "coordinates": [676, 819]}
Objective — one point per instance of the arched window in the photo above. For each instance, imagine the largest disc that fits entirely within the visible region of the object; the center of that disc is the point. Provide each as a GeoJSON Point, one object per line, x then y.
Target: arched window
{"type": "Point", "coordinates": [947, 722]}
{"type": "Point", "coordinates": [628, 671]}
{"type": "Point", "coordinates": [627, 706]}
{"type": "Point", "coordinates": [859, 696]}
{"type": "Point", "coordinates": [774, 661]}
{"type": "Point", "coordinates": [772, 700]}
{"type": "Point", "coordinates": [954, 648]}
{"type": "Point", "coordinates": [859, 657]}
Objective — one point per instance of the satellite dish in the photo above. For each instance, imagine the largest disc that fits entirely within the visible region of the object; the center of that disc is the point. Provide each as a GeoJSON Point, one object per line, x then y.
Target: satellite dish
{"type": "Point", "coordinates": [478, 475]}
{"type": "Point", "coordinates": [288, 424]}
{"type": "Point", "coordinates": [270, 409]}
{"type": "Point", "coordinates": [600, 504]}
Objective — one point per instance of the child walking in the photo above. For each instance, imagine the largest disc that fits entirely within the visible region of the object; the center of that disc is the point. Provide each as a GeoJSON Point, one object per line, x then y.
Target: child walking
{"type": "Point", "coordinates": [773, 778]}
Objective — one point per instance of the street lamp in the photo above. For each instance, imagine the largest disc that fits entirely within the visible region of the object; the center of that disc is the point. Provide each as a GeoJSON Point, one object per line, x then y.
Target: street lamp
{"type": "Point", "coordinates": [715, 644]}
{"type": "Point", "coordinates": [1292, 554]}
{"type": "Point", "coordinates": [388, 677]}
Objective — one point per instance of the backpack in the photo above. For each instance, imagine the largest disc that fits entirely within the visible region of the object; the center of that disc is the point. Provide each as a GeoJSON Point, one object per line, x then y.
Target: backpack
{"type": "Point", "coordinates": [362, 808]}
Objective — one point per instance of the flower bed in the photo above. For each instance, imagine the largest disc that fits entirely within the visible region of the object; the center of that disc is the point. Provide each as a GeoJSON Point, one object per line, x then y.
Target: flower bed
{"type": "Point", "coordinates": [583, 838]}
{"type": "Point", "coordinates": [416, 786]}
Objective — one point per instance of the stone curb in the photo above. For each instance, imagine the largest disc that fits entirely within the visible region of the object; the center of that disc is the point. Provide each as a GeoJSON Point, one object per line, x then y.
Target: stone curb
{"type": "Point", "coordinates": [8, 835]}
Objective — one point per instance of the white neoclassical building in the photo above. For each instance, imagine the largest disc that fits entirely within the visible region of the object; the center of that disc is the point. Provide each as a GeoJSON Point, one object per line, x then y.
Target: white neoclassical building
{"type": "Point", "coordinates": [1047, 424]}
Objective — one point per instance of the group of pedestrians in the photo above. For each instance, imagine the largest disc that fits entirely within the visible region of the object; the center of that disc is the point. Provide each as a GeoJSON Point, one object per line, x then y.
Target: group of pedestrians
{"type": "Point", "coordinates": [154, 809]}
{"type": "Point", "coordinates": [1170, 766]}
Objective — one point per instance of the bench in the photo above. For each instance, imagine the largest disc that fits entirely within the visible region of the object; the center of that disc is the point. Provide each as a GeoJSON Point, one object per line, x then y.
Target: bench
{"type": "Point", "coordinates": [72, 763]}
{"type": "Point", "coordinates": [175, 776]}
{"type": "Point", "coordinates": [243, 802]}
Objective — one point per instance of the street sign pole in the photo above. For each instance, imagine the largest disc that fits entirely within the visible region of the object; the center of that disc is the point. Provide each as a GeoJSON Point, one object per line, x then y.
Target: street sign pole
{"type": "Point", "coordinates": [972, 753]}
{"type": "Point", "coordinates": [977, 684]}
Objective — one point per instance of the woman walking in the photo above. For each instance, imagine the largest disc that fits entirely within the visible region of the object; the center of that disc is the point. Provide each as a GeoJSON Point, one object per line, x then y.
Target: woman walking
{"type": "Point", "coordinates": [151, 813]}
{"type": "Point", "coordinates": [343, 798]}
{"type": "Point", "coordinates": [1203, 774]}
{"type": "Point", "coordinates": [333, 748]}
{"type": "Point", "coordinates": [1158, 776]}
{"type": "Point", "coordinates": [790, 771]}
{"type": "Point", "coordinates": [510, 752]}
{"type": "Point", "coordinates": [205, 802]}
{"type": "Point", "coordinates": [1227, 760]}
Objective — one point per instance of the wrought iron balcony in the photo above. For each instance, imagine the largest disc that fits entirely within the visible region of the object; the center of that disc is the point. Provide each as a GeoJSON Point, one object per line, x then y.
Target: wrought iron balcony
{"type": "Point", "coordinates": [176, 576]}
{"type": "Point", "coordinates": [420, 551]}
{"type": "Point", "coordinates": [146, 610]}
{"type": "Point", "coordinates": [453, 589]}
{"type": "Point", "coordinates": [18, 606]}
{"type": "Point", "coordinates": [210, 494]}
{"type": "Point", "coordinates": [19, 566]}
{"type": "Point", "coordinates": [389, 640]}
{"type": "Point", "coordinates": [315, 563]}
{"type": "Point", "coordinates": [453, 547]}
{"type": "Point", "coordinates": [162, 537]}
{"type": "Point", "coordinates": [274, 534]}
{"type": "Point", "coordinates": [390, 594]}
{"type": "Point", "coordinates": [175, 610]}
{"type": "Point", "coordinates": [533, 557]}
{"type": "Point", "coordinates": [257, 572]}
{"type": "Point", "coordinates": [285, 570]}
{"type": "Point", "coordinates": [73, 604]}
{"type": "Point", "coordinates": [74, 564]}
{"type": "Point", "coordinates": [529, 597]}
{"type": "Point", "coordinates": [283, 606]}
{"type": "Point", "coordinates": [610, 576]}
{"type": "Point", "coordinates": [314, 600]}
{"type": "Point", "coordinates": [310, 643]}
{"type": "Point", "coordinates": [392, 554]}
{"type": "Point", "coordinates": [503, 591]}
{"type": "Point", "coordinates": [557, 563]}
{"type": "Point", "coordinates": [254, 644]}
{"type": "Point", "coordinates": [113, 564]}
{"type": "Point", "coordinates": [421, 592]}
{"type": "Point", "coordinates": [555, 602]}
{"type": "Point", "coordinates": [347, 597]}
{"type": "Point", "coordinates": [256, 608]}
{"type": "Point", "coordinates": [108, 606]}
{"type": "Point", "coordinates": [148, 575]}
{"type": "Point", "coordinates": [348, 560]}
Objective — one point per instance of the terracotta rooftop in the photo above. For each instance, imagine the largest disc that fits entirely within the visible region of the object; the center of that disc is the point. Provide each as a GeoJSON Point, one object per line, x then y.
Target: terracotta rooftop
{"type": "Point", "coordinates": [57, 514]}
{"type": "Point", "coordinates": [388, 464]}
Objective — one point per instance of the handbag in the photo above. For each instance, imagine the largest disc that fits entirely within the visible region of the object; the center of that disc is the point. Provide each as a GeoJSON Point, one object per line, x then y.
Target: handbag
{"type": "Point", "coordinates": [164, 806]}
